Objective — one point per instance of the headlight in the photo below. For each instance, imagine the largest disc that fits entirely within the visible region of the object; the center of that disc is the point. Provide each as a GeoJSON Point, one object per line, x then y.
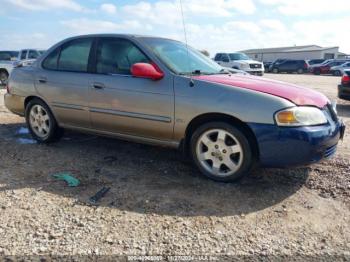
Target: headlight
{"type": "Point", "coordinates": [300, 116]}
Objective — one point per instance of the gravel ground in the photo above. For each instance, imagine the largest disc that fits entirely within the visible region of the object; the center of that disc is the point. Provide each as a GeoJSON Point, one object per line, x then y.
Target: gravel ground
{"type": "Point", "coordinates": [159, 205]}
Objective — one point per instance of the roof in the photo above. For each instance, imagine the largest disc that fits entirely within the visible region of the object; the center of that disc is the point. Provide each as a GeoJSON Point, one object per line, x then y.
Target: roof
{"type": "Point", "coordinates": [288, 49]}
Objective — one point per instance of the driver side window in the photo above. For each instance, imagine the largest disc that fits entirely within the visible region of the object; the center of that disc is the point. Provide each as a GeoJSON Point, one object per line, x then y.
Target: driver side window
{"type": "Point", "coordinates": [116, 56]}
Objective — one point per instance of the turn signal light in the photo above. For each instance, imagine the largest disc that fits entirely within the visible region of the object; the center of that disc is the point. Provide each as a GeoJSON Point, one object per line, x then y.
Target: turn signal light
{"type": "Point", "coordinates": [286, 117]}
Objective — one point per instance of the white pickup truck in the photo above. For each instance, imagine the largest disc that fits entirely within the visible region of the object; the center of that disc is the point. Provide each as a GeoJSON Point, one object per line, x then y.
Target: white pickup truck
{"type": "Point", "coordinates": [9, 59]}
{"type": "Point", "coordinates": [240, 61]}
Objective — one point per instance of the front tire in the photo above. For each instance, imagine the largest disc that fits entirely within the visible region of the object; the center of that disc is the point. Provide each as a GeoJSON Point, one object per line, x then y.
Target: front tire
{"type": "Point", "coordinates": [221, 151]}
{"type": "Point", "coordinates": [41, 122]}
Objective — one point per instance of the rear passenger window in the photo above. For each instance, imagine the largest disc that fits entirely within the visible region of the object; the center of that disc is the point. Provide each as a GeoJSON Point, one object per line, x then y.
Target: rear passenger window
{"type": "Point", "coordinates": [116, 56]}
{"type": "Point", "coordinates": [75, 55]}
{"type": "Point", "coordinates": [50, 61]}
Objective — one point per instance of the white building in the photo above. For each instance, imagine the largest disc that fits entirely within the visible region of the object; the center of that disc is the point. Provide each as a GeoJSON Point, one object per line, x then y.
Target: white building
{"type": "Point", "coordinates": [306, 52]}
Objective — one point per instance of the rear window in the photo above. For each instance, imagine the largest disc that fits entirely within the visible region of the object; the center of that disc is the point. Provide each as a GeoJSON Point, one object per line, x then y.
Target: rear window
{"type": "Point", "coordinates": [75, 55]}
{"type": "Point", "coordinates": [50, 61]}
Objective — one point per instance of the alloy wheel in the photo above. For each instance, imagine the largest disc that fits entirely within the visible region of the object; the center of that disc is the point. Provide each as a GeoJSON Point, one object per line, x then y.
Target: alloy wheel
{"type": "Point", "coordinates": [39, 120]}
{"type": "Point", "coordinates": [219, 152]}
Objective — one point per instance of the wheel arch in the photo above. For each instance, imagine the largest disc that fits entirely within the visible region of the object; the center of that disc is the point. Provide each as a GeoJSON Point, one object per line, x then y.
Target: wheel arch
{"type": "Point", "coordinates": [32, 97]}
{"type": "Point", "coordinates": [2, 69]}
{"type": "Point", "coordinates": [219, 117]}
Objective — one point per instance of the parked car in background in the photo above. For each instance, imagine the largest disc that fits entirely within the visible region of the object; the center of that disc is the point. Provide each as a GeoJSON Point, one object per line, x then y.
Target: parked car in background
{"type": "Point", "coordinates": [276, 62]}
{"type": "Point", "coordinates": [160, 91]}
{"type": "Point", "coordinates": [316, 61]}
{"type": "Point", "coordinates": [339, 70]}
{"type": "Point", "coordinates": [291, 66]}
{"type": "Point", "coordinates": [344, 87]}
{"type": "Point", "coordinates": [240, 61]}
{"type": "Point", "coordinates": [14, 58]}
{"type": "Point", "coordinates": [267, 66]}
{"type": "Point", "coordinates": [27, 54]}
{"type": "Point", "coordinates": [235, 71]}
{"type": "Point", "coordinates": [325, 67]}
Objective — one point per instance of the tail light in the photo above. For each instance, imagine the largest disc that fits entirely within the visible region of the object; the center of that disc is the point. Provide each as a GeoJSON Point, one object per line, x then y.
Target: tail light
{"type": "Point", "coordinates": [345, 79]}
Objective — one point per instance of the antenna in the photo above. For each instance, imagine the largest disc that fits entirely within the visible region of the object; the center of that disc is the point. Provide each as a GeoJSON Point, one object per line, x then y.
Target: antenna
{"type": "Point", "coordinates": [185, 33]}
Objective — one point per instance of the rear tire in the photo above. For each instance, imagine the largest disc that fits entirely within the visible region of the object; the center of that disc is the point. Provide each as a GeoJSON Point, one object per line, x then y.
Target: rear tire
{"type": "Point", "coordinates": [3, 77]}
{"type": "Point", "coordinates": [300, 71]}
{"type": "Point", "coordinates": [275, 70]}
{"type": "Point", "coordinates": [221, 151]}
{"type": "Point", "coordinates": [41, 122]}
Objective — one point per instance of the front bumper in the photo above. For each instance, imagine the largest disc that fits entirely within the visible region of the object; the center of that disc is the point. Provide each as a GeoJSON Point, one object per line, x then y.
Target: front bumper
{"type": "Point", "coordinates": [257, 72]}
{"type": "Point", "coordinates": [296, 146]}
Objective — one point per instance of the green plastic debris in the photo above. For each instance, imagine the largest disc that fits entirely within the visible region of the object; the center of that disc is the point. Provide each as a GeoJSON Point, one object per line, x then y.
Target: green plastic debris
{"type": "Point", "coordinates": [71, 181]}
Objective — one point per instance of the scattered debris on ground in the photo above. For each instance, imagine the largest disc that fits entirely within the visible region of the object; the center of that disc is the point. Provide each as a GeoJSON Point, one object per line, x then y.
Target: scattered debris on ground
{"type": "Point", "coordinates": [101, 193]}
{"type": "Point", "coordinates": [71, 181]}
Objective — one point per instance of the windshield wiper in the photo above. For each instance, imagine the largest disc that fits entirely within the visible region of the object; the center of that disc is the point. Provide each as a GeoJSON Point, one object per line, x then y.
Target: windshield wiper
{"type": "Point", "coordinates": [195, 72]}
{"type": "Point", "coordinates": [224, 71]}
{"type": "Point", "coordinates": [199, 72]}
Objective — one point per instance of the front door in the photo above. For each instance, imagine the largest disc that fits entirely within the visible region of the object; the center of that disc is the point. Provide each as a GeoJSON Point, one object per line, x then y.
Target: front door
{"type": "Point", "coordinates": [121, 103]}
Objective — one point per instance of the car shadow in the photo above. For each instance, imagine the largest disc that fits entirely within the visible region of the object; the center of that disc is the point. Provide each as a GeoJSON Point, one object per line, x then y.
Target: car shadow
{"type": "Point", "coordinates": [142, 179]}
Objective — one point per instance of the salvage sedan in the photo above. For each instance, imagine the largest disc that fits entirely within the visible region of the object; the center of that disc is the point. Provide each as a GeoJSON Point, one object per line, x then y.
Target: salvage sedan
{"type": "Point", "coordinates": [159, 91]}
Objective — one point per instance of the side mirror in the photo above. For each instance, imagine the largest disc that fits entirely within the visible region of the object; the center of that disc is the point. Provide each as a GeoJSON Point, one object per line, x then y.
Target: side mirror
{"type": "Point", "coordinates": [145, 70]}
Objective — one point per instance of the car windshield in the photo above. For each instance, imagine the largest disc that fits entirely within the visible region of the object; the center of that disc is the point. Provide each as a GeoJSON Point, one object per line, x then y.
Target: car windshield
{"type": "Point", "coordinates": [239, 56]}
{"type": "Point", "coordinates": [180, 59]}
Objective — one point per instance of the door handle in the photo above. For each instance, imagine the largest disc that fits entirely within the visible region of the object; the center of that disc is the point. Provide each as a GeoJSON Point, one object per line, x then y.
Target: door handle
{"type": "Point", "coordinates": [98, 85]}
{"type": "Point", "coordinates": [42, 80]}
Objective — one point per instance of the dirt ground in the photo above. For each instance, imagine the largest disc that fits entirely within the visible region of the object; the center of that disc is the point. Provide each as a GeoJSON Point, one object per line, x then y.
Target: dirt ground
{"type": "Point", "coordinates": [159, 205]}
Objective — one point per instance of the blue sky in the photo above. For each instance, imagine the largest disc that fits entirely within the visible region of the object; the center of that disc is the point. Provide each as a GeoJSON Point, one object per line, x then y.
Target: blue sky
{"type": "Point", "coordinates": [214, 25]}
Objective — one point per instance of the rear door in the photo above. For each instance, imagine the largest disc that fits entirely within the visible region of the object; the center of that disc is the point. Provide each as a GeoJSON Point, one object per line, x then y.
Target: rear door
{"type": "Point", "coordinates": [63, 80]}
{"type": "Point", "coordinates": [121, 103]}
